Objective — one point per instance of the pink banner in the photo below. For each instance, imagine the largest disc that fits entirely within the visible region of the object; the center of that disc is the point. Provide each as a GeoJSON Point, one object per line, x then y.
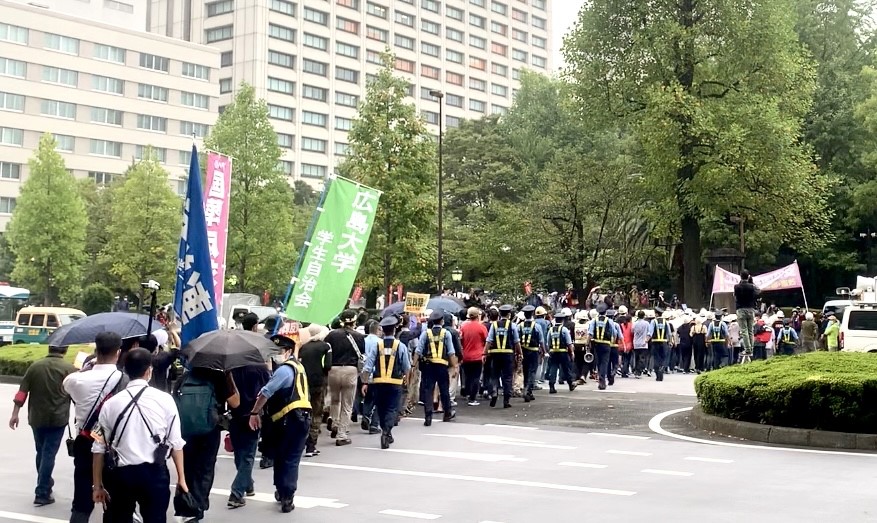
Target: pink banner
{"type": "Point", "coordinates": [216, 203]}
{"type": "Point", "coordinates": [788, 277]}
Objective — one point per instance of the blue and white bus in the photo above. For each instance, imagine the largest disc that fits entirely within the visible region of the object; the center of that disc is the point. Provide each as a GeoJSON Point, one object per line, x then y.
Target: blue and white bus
{"type": "Point", "coordinates": [12, 299]}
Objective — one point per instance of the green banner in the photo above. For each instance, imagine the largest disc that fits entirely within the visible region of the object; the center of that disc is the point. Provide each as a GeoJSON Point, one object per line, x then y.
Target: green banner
{"type": "Point", "coordinates": [331, 261]}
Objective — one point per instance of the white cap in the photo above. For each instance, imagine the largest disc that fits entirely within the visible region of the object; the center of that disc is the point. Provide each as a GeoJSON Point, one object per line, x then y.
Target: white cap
{"type": "Point", "coordinates": [593, 314]}
{"type": "Point", "coordinates": [582, 315]}
{"type": "Point", "coordinates": [780, 314]}
{"type": "Point", "coordinates": [521, 316]}
{"type": "Point", "coordinates": [566, 311]}
{"type": "Point", "coordinates": [650, 313]}
{"type": "Point", "coordinates": [667, 315]}
{"type": "Point", "coordinates": [622, 309]}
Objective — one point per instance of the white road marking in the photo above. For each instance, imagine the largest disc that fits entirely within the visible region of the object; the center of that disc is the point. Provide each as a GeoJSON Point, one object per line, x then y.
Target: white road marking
{"type": "Point", "coordinates": [473, 456]}
{"type": "Point", "coordinates": [611, 435]}
{"type": "Point", "coordinates": [501, 440]}
{"type": "Point", "coordinates": [474, 479]}
{"type": "Point", "coordinates": [628, 453]}
{"type": "Point", "coordinates": [300, 501]}
{"type": "Point", "coordinates": [667, 472]}
{"type": "Point", "coordinates": [29, 517]}
{"type": "Point", "coordinates": [709, 460]}
{"type": "Point", "coordinates": [655, 426]}
{"type": "Point", "coordinates": [581, 465]}
{"type": "Point", "coordinates": [406, 514]}
{"type": "Point", "coordinates": [516, 427]}
{"type": "Point", "coordinates": [689, 394]}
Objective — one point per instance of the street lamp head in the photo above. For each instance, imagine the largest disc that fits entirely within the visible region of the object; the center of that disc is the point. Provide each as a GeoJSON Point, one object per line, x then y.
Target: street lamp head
{"type": "Point", "coordinates": [457, 275]}
{"type": "Point", "coordinates": [437, 94]}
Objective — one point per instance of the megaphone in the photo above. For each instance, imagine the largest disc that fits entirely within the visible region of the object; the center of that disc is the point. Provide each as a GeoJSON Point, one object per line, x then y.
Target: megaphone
{"type": "Point", "coordinates": [589, 356]}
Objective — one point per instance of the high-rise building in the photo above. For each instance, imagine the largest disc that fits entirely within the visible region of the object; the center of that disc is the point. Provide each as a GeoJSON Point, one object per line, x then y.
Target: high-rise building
{"type": "Point", "coordinates": [105, 92]}
{"type": "Point", "coordinates": [311, 59]}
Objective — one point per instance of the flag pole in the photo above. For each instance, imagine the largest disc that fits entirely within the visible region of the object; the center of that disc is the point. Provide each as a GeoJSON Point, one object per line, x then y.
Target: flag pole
{"type": "Point", "coordinates": [304, 247]}
{"type": "Point", "coordinates": [800, 279]}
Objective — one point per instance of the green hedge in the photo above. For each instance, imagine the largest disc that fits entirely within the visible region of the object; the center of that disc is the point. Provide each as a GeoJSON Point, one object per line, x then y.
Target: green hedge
{"type": "Point", "coordinates": [15, 359]}
{"type": "Point", "coordinates": [823, 390]}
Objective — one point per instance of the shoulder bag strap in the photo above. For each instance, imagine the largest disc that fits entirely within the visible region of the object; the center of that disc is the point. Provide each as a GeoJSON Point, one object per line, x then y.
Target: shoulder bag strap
{"type": "Point", "coordinates": [109, 441]}
{"type": "Point", "coordinates": [97, 401]}
{"type": "Point", "coordinates": [355, 346]}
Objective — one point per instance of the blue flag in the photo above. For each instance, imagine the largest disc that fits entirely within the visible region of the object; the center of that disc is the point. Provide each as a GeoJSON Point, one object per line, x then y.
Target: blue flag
{"type": "Point", "coordinates": [194, 302]}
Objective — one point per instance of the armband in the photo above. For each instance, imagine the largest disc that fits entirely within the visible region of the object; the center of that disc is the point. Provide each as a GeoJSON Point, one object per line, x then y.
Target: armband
{"type": "Point", "coordinates": [20, 398]}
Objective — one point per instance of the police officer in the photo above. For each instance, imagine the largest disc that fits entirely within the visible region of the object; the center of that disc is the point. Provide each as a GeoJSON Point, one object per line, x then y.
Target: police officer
{"type": "Point", "coordinates": [660, 338]}
{"type": "Point", "coordinates": [436, 349]}
{"type": "Point", "coordinates": [533, 346]}
{"type": "Point", "coordinates": [613, 347]}
{"type": "Point", "coordinates": [503, 348]}
{"type": "Point", "coordinates": [602, 333]}
{"type": "Point", "coordinates": [386, 368]}
{"type": "Point", "coordinates": [580, 347]}
{"type": "Point", "coordinates": [287, 403]}
{"type": "Point", "coordinates": [560, 350]}
{"type": "Point", "coordinates": [717, 337]}
{"type": "Point", "coordinates": [787, 339]}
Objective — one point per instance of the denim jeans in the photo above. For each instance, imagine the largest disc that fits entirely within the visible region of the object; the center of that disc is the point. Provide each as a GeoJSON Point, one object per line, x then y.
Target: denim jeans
{"type": "Point", "coordinates": [746, 321]}
{"type": "Point", "coordinates": [244, 442]}
{"type": "Point", "coordinates": [47, 441]}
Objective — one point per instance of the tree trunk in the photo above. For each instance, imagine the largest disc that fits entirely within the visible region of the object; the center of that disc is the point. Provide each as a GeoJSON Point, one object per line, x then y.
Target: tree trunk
{"type": "Point", "coordinates": [692, 267]}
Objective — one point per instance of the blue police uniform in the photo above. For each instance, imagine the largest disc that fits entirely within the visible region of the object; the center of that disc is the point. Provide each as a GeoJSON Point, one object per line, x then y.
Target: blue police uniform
{"type": "Point", "coordinates": [603, 333]}
{"type": "Point", "coordinates": [786, 341]}
{"type": "Point", "coordinates": [717, 336]}
{"type": "Point", "coordinates": [434, 350]}
{"type": "Point", "coordinates": [532, 344]}
{"type": "Point", "coordinates": [385, 367]}
{"type": "Point", "coordinates": [502, 337]}
{"type": "Point", "coordinates": [660, 329]}
{"type": "Point", "coordinates": [558, 342]}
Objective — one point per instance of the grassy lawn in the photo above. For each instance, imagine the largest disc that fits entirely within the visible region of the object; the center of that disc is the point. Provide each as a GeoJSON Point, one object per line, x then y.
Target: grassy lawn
{"type": "Point", "coordinates": [15, 359]}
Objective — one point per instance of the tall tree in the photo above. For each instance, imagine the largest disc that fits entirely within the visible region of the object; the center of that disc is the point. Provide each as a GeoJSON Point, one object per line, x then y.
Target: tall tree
{"type": "Point", "coordinates": [98, 207]}
{"type": "Point", "coordinates": [715, 93]}
{"type": "Point", "coordinates": [391, 150]}
{"type": "Point", "coordinates": [143, 233]}
{"type": "Point", "coordinates": [48, 227]}
{"type": "Point", "coordinates": [260, 254]}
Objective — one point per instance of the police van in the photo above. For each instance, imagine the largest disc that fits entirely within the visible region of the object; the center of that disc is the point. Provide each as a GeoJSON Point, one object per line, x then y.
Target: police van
{"type": "Point", "coordinates": [858, 326]}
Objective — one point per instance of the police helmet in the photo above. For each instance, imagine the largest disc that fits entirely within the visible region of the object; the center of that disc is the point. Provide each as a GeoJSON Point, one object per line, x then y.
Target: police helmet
{"type": "Point", "coordinates": [582, 315]}
{"type": "Point", "coordinates": [389, 321]}
{"type": "Point", "coordinates": [505, 310]}
{"type": "Point", "coordinates": [283, 341]}
{"type": "Point", "coordinates": [611, 313]}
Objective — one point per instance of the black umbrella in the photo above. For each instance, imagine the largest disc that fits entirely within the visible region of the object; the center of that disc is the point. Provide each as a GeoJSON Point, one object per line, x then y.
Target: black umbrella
{"type": "Point", "coordinates": [448, 304]}
{"type": "Point", "coordinates": [125, 324]}
{"type": "Point", "coordinates": [228, 349]}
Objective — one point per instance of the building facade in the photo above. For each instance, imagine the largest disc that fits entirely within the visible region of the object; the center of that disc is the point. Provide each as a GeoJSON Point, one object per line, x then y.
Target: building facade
{"type": "Point", "coordinates": [310, 59]}
{"type": "Point", "coordinates": [106, 93]}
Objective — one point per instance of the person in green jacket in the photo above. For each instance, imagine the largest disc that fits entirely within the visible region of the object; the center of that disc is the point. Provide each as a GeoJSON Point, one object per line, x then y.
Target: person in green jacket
{"type": "Point", "coordinates": [832, 333]}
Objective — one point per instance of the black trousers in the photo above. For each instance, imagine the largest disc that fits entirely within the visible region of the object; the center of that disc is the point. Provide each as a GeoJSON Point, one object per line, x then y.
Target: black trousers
{"type": "Point", "coordinates": [432, 374]}
{"type": "Point", "coordinates": [472, 377]}
{"type": "Point", "coordinates": [82, 480]}
{"type": "Point", "coordinates": [559, 362]}
{"type": "Point", "coordinates": [582, 369]}
{"type": "Point", "coordinates": [601, 350]}
{"type": "Point", "coordinates": [146, 485]}
{"type": "Point", "coordinates": [641, 358]}
{"type": "Point", "coordinates": [660, 352]}
{"type": "Point", "coordinates": [626, 363]}
{"type": "Point", "coordinates": [199, 460]}
{"type": "Point", "coordinates": [292, 434]}
{"type": "Point", "coordinates": [500, 367]}
{"type": "Point", "coordinates": [685, 357]}
{"type": "Point", "coordinates": [386, 399]}
{"type": "Point", "coordinates": [530, 363]}
{"type": "Point", "coordinates": [700, 357]}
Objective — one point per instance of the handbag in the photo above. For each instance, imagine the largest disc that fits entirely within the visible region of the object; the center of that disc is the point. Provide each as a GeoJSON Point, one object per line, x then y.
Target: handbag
{"type": "Point", "coordinates": [185, 505]}
{"type": "Point", "coordinates": [360, 361]}
{"type": "Point", "coordinates": [70, 442]}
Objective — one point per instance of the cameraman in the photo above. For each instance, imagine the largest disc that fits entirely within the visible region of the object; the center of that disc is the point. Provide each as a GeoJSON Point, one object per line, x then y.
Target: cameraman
{"type": "Point", "coordinates": [745, 296]}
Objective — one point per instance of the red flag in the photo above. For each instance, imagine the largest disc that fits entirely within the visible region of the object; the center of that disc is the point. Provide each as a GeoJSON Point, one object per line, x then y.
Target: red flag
{"type": "Point", "coordinates": [399, 291]}
{"type": "Point", "coordinates": [357, 294]}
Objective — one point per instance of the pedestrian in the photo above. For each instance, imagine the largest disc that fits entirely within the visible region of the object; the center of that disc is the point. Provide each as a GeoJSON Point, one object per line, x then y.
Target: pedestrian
{"type": "Point", "coordinates": [626, 326]}
{"type": "Point", "coordinates": [533, 346]}
{"type": "Point", "coordinates": [136, 429]}
{"type": "Point", "coordinates": [384, 373]}
{"type": "Point", "coordinates": [612, 314]}
{"type": "Point", "coordinates": [762, 337]}
{"type": "Point", "coordinates": [734, 340]}
{"type": "Point", "coordinates": [543, 325]}
{"type": "Point", "coordinates": [48, 411]}
{"type": "Point", "coordinates": [560, 349]}
{"type": "Point", "coordinates": [473, 335]}
{"type": "Point", "coordinates": [832, 333]}
{"type": "Point", "coordinates": [581, 348]}
{"type": "Point", "coordinates": [698, 344]}
{"type": "Point", "coordinates": [641, 332]}
{"type": "Point", "coordinates": [348, 347]}
{"type": "Point", "coordinates": [659, 337]}
{"type": "Point", "coordinates": [717, 334]}
{"type": "Point", "coordinates": [451, 326]}
{"type": "Point", "coordinates": [683, 335]}
{"type": "Point", "coordinates": [315, 356]}
{"type": "Point", "coordinates": [286, 402]}
{"type": "Point", "coordinates": [787, 339]}
{"type": "Point", "coordinates": [364, 405]}
{"type": "Point", "coordinates": [746, 297]}
{"type": "Point", "coordinates": [809, 333]}
{"type": "Point", "coordinates": [435, 352]}
{"type": "Point", "coordinates": [503, 349]}
{"type": "Point", "coordinates": [602, 334]}
{"type": "Point", "coordinates": [89, 390]}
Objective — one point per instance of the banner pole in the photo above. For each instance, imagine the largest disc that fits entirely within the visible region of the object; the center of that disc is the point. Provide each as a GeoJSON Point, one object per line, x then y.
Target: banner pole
{"type": "Point", "coordinates": [304, 247]}
{"type": "Point", "coordinates": [710, 306]}
{"type": "Point", "coordinates": [798, 270]}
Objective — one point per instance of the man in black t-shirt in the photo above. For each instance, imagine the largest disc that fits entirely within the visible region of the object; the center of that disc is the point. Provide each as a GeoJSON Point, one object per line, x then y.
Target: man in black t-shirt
{"type": "Point", "coordinates": [316, 357]}
{"type": "Point", "coordinates": [348, 346]}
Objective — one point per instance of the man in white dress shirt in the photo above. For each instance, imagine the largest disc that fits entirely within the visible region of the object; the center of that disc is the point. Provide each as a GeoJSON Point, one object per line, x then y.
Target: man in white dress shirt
{"type": "Point", "coordinates": [88, 390]}
{"type": "Point", "coordinates": [137, 427]}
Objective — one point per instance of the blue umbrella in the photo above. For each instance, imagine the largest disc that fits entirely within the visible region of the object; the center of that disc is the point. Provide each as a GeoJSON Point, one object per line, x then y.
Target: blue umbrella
{"type": "Point", "coordinates": [125, 324]}
{"type": "Point", "coordinates": [444, 303]}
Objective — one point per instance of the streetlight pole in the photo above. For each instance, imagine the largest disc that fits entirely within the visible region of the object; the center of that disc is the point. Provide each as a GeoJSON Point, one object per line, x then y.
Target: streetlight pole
{"type": "Point", "coordinates": [440, 95]}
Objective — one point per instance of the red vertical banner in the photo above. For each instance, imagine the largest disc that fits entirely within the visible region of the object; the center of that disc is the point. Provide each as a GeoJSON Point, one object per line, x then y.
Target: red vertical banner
{"type": "Point", "coordinates": [399, 292]}
{"type": "Point", "coordinates": [217, 194]}
{"type": "Point", "coordinates": [357, 294]}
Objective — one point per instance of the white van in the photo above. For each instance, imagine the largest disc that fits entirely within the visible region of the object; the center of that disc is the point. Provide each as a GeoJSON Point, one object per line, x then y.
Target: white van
{"type": "Point", "coordinates": [858, 326]}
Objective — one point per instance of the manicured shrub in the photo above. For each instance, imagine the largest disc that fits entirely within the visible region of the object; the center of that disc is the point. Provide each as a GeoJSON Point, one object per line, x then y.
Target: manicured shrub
{"type": "Point", "coordinates": [824, 390]}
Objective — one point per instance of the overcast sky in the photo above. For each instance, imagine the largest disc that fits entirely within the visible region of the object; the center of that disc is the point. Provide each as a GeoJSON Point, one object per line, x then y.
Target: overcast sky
{"type": "Point", "coordinates": [563, 14]}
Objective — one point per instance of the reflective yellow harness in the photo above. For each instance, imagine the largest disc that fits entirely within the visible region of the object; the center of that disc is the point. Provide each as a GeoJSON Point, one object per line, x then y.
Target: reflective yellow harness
{"type": "Point", "coordinates": [556, 333]}
{"type": "Point", "coordinates": [436, 347]}
{"type": "Point", "coordinates": [500, 343]}
{"type": "Point", "coordinates": [527, 334]}
{"type": "Point", "coordinates": [300, 397]}
{"type": "Point", "coordinates": [386, 363]}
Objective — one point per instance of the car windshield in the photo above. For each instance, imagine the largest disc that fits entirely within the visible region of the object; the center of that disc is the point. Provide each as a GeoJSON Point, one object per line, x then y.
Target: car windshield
{"type": "Point", "coordinates": [837, 310]}
{"type": "Point", "coordinates": [863, 320]}
{"type": "Point", "coordinates": [69, 318]}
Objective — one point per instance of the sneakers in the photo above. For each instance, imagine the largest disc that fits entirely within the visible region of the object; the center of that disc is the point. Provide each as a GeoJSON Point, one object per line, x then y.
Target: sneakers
{"type": "Point", "coordinates": [330, 425]}
{"type": "Point", "coordinates": [531, 396]}
{"type": "Point", "coordinates": [236, 502]}
{"type": "Point", "coordinates": [493, 400]}
{"type": "Point", "coordinates": [526, 398]}
{"type": "Point", "coordinates": [333, 433]}
{"type": "Point", "coordinates": [602, 385]}
{"type": "Point", "coordinates": [449, 416]}
{"type": "Point", "coordinates": [374, 431]}
{"type": "Point", "coordinates": [364, 424]}
{"type": "Point", "coordinates": [453, 403]}
{"type": "Point", "coordinates": [427, 420]}
{"type": "Point", "coordinates": [572, 387]}
{"type": "Point", "coordinates": [342, 442]}
{"type": "Point", "coordinates": [473, 403]}
{"type": "Point", "coordinates": [385, 441]}
{"type": "Point", "coordinates": [311, 452]}
{"type": "Point", "coordinates": [252, 492]}
{"type": "Point", "coordinates": [266, 463]}
{"type": "Point", "coordinates": [506, 405]}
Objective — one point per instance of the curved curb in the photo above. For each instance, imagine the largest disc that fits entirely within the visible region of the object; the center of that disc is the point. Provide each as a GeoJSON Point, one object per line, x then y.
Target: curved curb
{"type": "Point", "coordinates": [781, 435]}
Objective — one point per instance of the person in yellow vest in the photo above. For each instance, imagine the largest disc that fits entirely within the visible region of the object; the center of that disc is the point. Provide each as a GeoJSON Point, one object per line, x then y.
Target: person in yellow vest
{"type": "Point", "coordinates": [603, 333]}
{"type": "Point", "coordinates": [384, 373]}
{"type": "Point", "coordinates": [787, 339]}
{"type": "Point", "coordinates": [717, 337]}
{"type": "Point", "coordinates": [533, 346]}
{"type": "Point", "coordinates": [287, 403]}
{"type": "Point", "coordinates": [560, 350]}
{"type": "Point", "coordinates": [502, 349]}
{"type": "Point", "coordinates": [436, 349]}
{"type": "Point", "coordinates": [660, 340]}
